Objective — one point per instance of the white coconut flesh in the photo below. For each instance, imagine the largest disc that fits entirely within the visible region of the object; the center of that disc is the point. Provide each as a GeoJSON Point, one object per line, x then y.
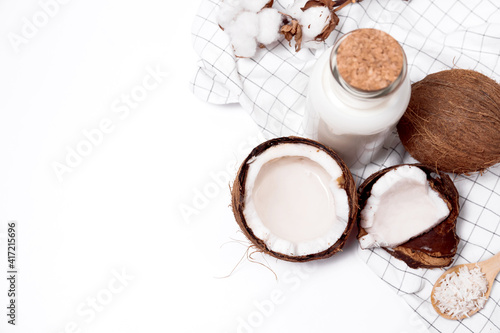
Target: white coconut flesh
{"type": "Point", "coordinates": [293, 199]}
{"type": "Point", "coordinates": [402, 205]}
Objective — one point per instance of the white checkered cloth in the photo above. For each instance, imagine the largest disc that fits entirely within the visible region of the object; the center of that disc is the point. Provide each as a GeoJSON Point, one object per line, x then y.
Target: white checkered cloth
{"type": "Point", "coordinates": [435, 35]}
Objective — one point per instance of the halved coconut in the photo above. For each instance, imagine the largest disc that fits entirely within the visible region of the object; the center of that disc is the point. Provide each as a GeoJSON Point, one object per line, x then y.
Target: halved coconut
{"type": "Point", "coordinates": [411, 212]}
{"type": "Point", "coordinates": [295, 199]}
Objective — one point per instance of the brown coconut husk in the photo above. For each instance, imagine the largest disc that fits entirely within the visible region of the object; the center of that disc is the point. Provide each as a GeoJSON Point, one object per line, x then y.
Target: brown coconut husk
{"type": "Point", "coordinates": [238, 200]}
{"type": "Point", "coordinates": [435, 248]}
{"type": "Point", "coordinates": [453, 121]}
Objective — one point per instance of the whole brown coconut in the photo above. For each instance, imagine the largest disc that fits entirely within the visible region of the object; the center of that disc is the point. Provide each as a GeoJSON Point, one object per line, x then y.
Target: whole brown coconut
{"type": "Point", "coordinates": [453, 121]}
{"type": "Point", "coordinates": [438, 246]}
{"type": "Point", "coordinates": [238, 199]}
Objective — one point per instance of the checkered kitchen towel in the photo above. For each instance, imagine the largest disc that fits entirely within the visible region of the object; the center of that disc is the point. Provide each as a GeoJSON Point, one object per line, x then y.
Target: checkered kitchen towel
{"type": "Point", "coordinates": [435, 35]}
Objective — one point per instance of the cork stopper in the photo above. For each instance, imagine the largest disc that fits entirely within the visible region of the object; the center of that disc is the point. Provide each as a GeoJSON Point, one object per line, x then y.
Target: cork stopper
{"type": "Point", "coordinates": [369, 59]}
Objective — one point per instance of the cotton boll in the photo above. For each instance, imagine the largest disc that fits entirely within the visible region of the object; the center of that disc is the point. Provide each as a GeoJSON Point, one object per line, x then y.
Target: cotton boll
{"type": "Point", "coordinates": [254, 5]}
{"type": "Point", "coordinates": [269, 26]}
{"type": "Point", "coordinates": [245, 24]}
{"type": "Point", "coordinates": [295, 10]}
{"type": "Point", "coordinates": [244, 46]}
{"type": "Point", "coordinates": [228, 10]}
{"type": "Point", "coordinates": [226, 15]}
{"type": "Point", "coordinates": [242, 29]}
{"type": "Point", "coordinates": [232, 3]}
{"type": "Point", "coordinates": [313, 21]}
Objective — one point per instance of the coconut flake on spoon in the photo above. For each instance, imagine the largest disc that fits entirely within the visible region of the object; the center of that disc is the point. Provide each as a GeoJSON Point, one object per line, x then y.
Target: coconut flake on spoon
{"type": "Point", "coordinates": [295, 199]}
{"type": "Point", "coordinates": [463, 290]}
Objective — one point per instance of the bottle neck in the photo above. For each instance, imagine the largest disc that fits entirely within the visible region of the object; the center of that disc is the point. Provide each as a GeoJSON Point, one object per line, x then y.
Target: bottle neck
{"type": "Point", "coordinates": [354, 96]}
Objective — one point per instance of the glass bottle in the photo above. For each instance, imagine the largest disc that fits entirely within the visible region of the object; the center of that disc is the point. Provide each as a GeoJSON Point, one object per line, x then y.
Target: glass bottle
{"type": "Point", "coordinates": [352, 121]}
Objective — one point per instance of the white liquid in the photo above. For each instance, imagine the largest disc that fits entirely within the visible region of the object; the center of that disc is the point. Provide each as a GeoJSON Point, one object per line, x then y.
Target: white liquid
{"type": "Point", "coordinates": [293, 199]}
{"type": "Point", "coordinates": [356, 128]}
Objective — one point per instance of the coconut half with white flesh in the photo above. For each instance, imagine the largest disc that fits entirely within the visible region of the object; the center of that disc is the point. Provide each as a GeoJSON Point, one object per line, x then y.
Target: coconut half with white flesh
{"type": "Point", "coordinates": [410, 211]}
{"type": "Point", "coordinates": [295, 199]}
{"type": "Point", "coordinates": [401, 206]}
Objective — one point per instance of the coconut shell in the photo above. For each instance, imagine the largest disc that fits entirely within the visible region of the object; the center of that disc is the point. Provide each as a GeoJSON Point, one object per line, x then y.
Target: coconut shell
{"type": "Point", "coordinates": [438, 246]}
{"type": "Point", "coordinates": [453, 121]}
{"type": "Point", "coordinates": [238, 200]}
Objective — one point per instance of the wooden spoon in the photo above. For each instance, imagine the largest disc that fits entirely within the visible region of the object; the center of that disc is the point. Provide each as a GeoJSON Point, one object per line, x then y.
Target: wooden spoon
{"type": "Point", "coordinates": [490, 268]}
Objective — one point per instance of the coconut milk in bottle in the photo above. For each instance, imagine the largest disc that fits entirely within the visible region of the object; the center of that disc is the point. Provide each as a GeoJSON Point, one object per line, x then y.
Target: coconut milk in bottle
{"type": "Point", "coordinates": [357, 93]}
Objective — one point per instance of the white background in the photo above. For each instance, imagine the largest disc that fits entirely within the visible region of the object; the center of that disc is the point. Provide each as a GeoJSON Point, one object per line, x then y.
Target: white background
{"type": "Point", "coordinates": [117, 210]}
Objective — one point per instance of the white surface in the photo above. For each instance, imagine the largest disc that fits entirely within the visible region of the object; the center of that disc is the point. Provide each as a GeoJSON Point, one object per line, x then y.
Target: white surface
{"type": "Point", "coordinates": [118, 210]}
